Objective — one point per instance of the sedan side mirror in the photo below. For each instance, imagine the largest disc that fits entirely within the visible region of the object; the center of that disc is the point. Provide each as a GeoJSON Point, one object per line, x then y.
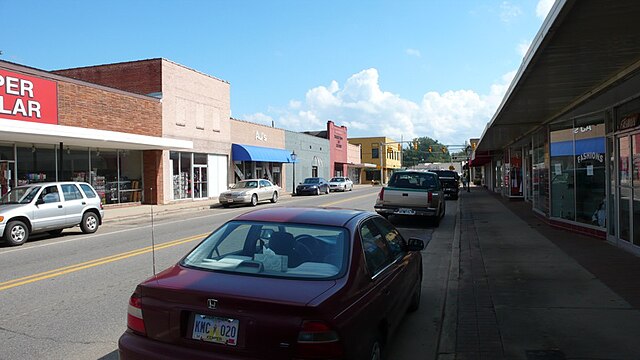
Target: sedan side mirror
{"type": "Point", "coordinates": [415, 244]}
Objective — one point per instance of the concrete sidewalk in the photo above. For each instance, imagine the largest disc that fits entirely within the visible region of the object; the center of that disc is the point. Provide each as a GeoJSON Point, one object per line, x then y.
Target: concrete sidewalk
{"type": "Point", "coordinates": [520, 289]}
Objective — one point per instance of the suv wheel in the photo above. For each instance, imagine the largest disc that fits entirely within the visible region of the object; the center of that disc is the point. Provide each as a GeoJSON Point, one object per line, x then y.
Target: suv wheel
{"type": "Point", "coordinates": [16, 233]}
{"type": "Point", "coordinates": [89, 223]}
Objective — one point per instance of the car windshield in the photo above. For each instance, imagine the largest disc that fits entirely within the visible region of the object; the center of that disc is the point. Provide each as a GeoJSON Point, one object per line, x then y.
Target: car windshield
{"type": "Point", "coordinates": [311, 181]}
{"type": "Point", "coordinates": [338, 179]}
{"type": "Point", "coordinates": [447, 174]}
{"type": "Point", "coordinates": [273, 249]}
{"type": "Point", "coordinates": [246, 185]}
{"type": "Point", "coordinates": [20, 195]}
{"type": "Point", "coordinates": [423, 181]}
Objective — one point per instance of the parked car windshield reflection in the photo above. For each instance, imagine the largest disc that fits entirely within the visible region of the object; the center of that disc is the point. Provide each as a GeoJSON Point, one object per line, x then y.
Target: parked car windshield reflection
{"type": "Point", "coordinates": [245, 185]}
{"type": "Point", "coordinates": [276, 250]}
{"type": "Point", "coordinates": [20, 195]}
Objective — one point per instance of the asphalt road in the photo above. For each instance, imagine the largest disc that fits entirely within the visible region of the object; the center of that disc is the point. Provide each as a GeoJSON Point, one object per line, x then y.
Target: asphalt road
{"type": "Point", "coordinates": [66, 297]}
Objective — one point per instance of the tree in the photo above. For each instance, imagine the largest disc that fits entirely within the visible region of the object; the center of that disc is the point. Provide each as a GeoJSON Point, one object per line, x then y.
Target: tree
{"type": "Point", "coordinates": [413, 156]}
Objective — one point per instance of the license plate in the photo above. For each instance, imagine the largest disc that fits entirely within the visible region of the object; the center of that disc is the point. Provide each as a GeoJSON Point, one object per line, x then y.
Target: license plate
{"type": "Point", "coordinates": [229, 200]}
{"type": "Point", "coordinates": [216, 330]}
{"type": "Point", "coordinates": [404, 211]}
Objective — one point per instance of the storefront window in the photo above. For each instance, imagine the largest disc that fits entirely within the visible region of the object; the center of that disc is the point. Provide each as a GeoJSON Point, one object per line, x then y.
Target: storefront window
{"type": "Point", "coordinates": [590, 176]}
{"type": "Point", "coordinates": [540, 181]}
{"type": "Point", "coordinates": [36, 163]}
{"type": "Point", "coordinates": [117, 175]}
{"type": "Point", "coordinates": [578, 178]}
{"type": "Point", "coordinates": [75, 164]}
{"type": "Point", "coordinates": [562, 171]}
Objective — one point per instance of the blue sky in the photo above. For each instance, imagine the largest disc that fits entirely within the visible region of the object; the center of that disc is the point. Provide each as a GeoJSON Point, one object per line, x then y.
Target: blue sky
{"type": "Point", "coordinates": [396, 68]}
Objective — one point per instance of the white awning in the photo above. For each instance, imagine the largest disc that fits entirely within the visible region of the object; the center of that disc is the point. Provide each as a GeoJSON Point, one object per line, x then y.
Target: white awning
{"type": "Point", "coordinates": [31, 132]}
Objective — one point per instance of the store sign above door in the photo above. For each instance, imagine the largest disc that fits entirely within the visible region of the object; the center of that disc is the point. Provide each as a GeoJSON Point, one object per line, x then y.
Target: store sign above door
{"type": "Point", "coordinates": [28, 98]}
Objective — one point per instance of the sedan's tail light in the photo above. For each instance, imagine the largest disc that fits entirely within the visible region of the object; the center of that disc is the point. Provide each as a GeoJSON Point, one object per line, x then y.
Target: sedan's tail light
{"type": "Point", "coordinates": [381, 194]}
{"type": "Point", "coordinates": [317, 340]}
{"type": "Point", "coordinates": [135, 322]}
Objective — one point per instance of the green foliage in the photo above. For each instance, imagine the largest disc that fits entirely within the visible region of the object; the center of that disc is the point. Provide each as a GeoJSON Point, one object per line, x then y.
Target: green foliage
{"type": "Point", "coordinates": [411, 157]}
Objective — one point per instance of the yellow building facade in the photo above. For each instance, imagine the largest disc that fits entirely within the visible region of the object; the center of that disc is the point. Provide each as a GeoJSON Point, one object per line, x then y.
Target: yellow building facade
{"type": "Point", "coordinates": [381, 151]}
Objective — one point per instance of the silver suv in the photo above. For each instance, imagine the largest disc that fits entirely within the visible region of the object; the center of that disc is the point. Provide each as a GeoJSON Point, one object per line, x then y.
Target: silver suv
{"type": "Point", "coordinates": [48, 207]}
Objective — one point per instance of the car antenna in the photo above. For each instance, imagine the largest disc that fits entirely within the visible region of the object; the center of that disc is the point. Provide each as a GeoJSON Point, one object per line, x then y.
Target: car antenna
{"type": "Point", "coordinates": [153, 242]}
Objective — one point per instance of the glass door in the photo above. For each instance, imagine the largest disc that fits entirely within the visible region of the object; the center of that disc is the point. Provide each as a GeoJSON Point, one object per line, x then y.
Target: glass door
{"type": "Point", "coordinates": [7, 170]}
{"type": "Point", "coordinates": [635, 183]}
{"type": "Point", "coordinates": [624, 188]}
{"type": "Point", "coordinates": [199, 181]}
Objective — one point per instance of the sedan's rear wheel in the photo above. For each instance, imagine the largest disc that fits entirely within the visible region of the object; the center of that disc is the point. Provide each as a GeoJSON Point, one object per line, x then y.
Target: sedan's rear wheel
{"type": "Point", "coordinates": [274, 197]}
{"type": "Point", "coordinates": [254, 200]}
{"type": "Point", "coordinates": [16, 233]}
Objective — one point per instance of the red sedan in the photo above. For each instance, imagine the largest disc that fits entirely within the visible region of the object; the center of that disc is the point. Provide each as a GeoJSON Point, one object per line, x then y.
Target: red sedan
{"type": "Point", "coordinates": [280, 283]}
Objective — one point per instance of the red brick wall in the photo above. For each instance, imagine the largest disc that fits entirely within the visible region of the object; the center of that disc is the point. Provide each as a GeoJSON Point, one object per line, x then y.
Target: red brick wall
{"type": "Point", "coordinates": [92, 108]}
{"type": "Point", "coordinates": [152, 172]}
{"type": "Point", "coordinates": [140, 77]}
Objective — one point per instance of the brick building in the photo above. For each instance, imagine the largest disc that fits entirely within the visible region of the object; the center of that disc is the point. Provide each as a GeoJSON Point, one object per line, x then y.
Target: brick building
{"type": "Point", "coordinates": [194, 107]}
{"type": "Point", "coordinates": [53, 127]}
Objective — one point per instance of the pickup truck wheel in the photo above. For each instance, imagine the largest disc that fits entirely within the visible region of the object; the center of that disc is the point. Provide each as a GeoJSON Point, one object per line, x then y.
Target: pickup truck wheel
{"type": "Point", "coordinates": [16, 233]}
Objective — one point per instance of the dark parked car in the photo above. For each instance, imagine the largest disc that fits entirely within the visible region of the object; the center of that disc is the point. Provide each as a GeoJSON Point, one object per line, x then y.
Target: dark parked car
{"type": "Point", "coordinates": [313, 186]}
{"type": "Point", "coordinates": [280, 283]}
{"type": "Point", "coordinates": [450, 181]}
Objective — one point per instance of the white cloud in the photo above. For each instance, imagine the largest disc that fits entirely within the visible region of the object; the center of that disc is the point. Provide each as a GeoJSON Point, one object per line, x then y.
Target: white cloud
{"type": "Point", "coordinates": [523, 47]}
{"type": "Point", "coordinates": [413, 52]}
{"type": "Point", "coordinates": [508, 12]}
{"type": "Point", "coordinates": [450, 117]}
{"type": "Point", "coordinates": [543, 8]}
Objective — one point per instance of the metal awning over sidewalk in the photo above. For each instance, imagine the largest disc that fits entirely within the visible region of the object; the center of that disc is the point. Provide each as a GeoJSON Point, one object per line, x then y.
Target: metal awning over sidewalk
{"type": "Point", "coordinates": [582, 49]}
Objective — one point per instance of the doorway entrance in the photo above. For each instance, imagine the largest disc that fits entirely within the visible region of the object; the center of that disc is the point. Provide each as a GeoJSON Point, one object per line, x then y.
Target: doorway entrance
{"type": "Point", "coordinates": [199, 181]}
{"type": "Point", "coordinates": [628, 188]}
{"type": "Point", "coordinates": [7, 172]}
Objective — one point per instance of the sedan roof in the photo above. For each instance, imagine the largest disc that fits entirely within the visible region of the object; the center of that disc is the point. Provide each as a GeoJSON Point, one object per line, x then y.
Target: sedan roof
{"type": "Point", "coordinates": [300, 215]}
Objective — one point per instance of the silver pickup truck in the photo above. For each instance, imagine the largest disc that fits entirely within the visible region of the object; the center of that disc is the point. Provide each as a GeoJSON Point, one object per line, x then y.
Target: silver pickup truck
{"type": "Point", "coordinates": [412, 193]}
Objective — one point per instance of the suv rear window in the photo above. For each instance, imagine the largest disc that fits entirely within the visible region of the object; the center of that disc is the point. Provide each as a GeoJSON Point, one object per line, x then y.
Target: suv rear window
{"type": "Point", "coordinates": [424, 181]}
{"type": "Point", "coordinates": [88, 191]}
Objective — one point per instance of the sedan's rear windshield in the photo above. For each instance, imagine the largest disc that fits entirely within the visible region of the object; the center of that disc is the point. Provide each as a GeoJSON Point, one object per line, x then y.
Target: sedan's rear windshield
{"type": "Point", "coordinates": [273, 249]}
{"type": "Point", "coordinates": [338, 179]}
{"type": "Point", "coordinates": [423, 181]}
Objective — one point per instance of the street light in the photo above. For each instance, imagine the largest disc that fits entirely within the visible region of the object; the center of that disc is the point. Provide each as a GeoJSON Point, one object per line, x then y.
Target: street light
{"type": "Point", "coordinates": [293, 159]}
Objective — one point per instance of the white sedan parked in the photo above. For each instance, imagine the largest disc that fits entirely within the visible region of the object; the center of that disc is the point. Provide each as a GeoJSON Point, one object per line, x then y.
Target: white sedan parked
{"type": "Point", "coordinates": [340, 184]}
{"type": "Point", "coordinates": [250, 191]}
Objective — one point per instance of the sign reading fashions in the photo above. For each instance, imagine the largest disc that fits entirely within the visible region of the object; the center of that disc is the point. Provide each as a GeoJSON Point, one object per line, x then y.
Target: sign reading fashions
{"type": "Point", "coordinates": [27, 98]}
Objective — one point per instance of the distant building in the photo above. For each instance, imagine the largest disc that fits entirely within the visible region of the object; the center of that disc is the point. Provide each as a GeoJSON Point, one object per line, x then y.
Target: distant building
{"type": "Point", "coordinates": [381, 151]}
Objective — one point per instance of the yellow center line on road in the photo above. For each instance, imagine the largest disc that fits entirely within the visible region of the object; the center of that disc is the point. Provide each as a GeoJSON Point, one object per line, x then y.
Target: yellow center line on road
{"type": "Point", "coordinates": [345, 200]}
{"type": "Point", "coordinates": [96, 262]}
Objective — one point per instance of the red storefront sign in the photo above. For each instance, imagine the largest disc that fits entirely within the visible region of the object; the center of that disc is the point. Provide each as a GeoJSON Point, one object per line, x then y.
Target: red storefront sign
{"type": "Point", "coordinates": [27, 98]}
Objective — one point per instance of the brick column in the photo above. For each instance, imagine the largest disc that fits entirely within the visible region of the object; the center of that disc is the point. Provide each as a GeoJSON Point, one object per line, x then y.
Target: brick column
{"type": "Point", "coordinates": [152, 169]}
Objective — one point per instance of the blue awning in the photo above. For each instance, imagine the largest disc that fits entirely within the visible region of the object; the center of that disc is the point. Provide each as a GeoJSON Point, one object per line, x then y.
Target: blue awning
{"type": "Point", "coordinates": [258, 153]}
{"type": "Point", "coordinates": [583, 146]}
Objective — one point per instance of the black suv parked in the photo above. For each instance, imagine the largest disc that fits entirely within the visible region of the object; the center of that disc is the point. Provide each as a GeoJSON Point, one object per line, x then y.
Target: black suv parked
{"type": "Point", "coordinates": [450, 181]}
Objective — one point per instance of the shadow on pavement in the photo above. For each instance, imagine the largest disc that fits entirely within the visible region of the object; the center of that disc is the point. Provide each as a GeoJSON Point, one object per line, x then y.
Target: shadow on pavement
{"type": "Point", "coordinates": [110, 356]}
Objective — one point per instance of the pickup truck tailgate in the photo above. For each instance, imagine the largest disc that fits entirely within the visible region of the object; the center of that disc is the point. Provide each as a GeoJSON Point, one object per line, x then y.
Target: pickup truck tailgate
{"type": "Point", "coordinates": [405, 197]}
